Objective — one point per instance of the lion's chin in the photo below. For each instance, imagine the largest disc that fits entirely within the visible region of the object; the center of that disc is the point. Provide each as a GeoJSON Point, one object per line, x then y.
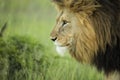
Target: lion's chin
{"type": "Point", "coordinates": [61, 50]}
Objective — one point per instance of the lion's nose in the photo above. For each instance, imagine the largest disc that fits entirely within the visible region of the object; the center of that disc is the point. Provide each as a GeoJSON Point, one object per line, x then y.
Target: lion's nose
{"type": "Point", "coordinates": [53, 38]}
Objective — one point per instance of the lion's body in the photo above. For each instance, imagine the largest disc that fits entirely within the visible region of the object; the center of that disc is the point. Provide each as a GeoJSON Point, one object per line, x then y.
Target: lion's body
{"type": "Point", "coordinates": [90, 29]}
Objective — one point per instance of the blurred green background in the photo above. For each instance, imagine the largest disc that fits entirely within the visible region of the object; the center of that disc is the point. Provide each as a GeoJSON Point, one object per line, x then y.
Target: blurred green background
{"type": "Point", "coordinates": [29, 23]}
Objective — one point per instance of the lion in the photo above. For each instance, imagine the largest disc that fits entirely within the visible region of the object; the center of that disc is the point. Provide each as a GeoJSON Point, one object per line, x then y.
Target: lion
{"type": "Point", "coordinates": [90, 31]}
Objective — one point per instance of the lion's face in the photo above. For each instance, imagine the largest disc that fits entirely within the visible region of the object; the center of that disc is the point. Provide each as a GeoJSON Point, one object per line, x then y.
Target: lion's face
{"type": "Point", "coordinates": [81, 29]}
{"type": "Point", "coordinates": [74, 33]}
{"type": "Point", "coordinates": [62, 33]}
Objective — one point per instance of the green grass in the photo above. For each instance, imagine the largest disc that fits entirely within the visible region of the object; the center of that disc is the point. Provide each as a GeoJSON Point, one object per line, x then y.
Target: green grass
{"type": "Point", "coordinates": [35, 18]}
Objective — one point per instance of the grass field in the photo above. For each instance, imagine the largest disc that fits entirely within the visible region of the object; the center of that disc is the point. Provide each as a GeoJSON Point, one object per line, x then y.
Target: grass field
{"type": "Point", "coordinates": [35, 18]}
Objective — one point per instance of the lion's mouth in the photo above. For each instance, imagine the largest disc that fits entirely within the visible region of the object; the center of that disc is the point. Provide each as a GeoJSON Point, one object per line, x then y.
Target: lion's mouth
{"type": "Point", "coordinates": [61, 45]}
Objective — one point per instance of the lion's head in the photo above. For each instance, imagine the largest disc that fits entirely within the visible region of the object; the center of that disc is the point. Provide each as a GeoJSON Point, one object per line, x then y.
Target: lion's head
{"type": "Point", "coordinates": [82, 28]}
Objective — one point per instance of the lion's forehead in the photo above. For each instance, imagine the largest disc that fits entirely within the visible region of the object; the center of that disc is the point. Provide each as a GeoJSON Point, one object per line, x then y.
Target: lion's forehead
{"type": "Point", "coordinates": [64, 15]}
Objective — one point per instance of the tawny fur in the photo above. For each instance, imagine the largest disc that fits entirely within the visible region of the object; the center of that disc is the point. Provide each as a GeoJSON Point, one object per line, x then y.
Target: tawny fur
{"type": "Point", "coordinates": [97, 32]}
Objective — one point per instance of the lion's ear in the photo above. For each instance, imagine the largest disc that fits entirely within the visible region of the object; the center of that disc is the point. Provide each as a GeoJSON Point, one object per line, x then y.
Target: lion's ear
{"type": "Point", "coordinates": [62, 3]}
{"type": "Point", "coordinates": [59, 3]}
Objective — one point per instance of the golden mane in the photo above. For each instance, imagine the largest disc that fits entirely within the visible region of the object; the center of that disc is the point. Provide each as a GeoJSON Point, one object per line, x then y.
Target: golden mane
{"type": "Point", "coordinates": [99, 44]}
{"type": "Point", "coordinates": [100, 22]}
{"type": "Point", "coordinates": [77, 5]}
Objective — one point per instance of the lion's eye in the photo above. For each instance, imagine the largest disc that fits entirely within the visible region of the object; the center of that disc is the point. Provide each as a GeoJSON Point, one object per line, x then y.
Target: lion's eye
{"type": "Point", "coordinates": [64, 22]}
